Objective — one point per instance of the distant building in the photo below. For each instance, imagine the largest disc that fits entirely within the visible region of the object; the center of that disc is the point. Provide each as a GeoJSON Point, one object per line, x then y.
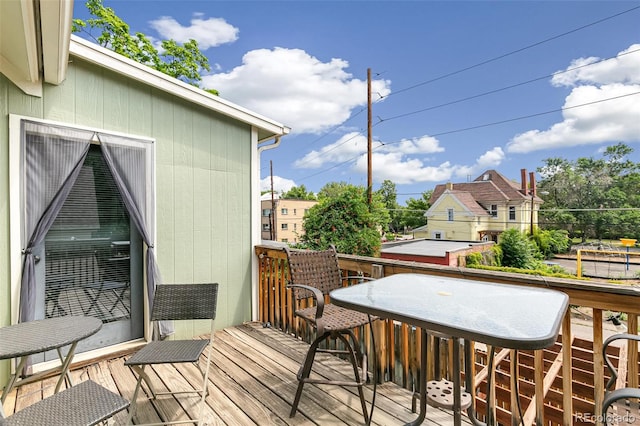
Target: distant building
{"type": "Point", "coordinates": [438, 252]}
{"type": "Point", "coordinates": [482, 209]}
{"type": "Point", "coordinates": [282, 218]}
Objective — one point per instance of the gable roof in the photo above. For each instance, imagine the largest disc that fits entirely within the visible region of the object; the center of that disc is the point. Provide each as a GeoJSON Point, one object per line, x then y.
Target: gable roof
{"type": "Point", "coordinates": [490, 187]}
{"type": "Point", "coordinates": [463, 198]}
{"type": "Point", "coordinates": [88, 51]}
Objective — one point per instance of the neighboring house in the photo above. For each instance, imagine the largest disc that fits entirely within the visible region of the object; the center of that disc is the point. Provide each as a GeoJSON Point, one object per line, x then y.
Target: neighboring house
{"type": "Point", "coordinates": [438, 252]}
{"type": "Point", "coordinates": [482, 209]}
{"type": "Point", "coordinates": [282, 218]}
{"type": "Point", "coordinates": [157, 172]}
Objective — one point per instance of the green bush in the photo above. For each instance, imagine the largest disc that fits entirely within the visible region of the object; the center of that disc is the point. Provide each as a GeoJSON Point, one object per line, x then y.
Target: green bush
{"type": "Point", "coordinates": [518, 251]}
{"type": "Point", "coordinates": [474, 259]}
{"type": "Point", "coordinates": [550, 242]}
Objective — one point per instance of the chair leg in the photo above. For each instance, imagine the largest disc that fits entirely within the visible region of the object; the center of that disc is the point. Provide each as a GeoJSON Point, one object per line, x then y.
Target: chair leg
{"type": "Point", "coordinates": [356, 356]}
{"type": "Point", "coordinates": [305, 371]}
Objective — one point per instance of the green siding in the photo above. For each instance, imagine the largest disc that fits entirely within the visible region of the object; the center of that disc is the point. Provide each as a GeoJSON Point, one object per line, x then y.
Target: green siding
{"type": "Point", "coordinates": [202, 179]}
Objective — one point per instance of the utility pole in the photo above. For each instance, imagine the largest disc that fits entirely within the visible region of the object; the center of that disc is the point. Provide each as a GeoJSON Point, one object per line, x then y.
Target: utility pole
{"type": "Point", "coordinates": [272, 219]}
{"type": "Point", "coordinates": [369, 173]}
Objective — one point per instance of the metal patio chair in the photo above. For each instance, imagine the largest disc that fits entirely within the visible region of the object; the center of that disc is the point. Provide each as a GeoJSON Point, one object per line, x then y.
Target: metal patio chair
{"type": "Point", "coordinates": [314, 274]}
{"type": "Point", "coordinates": [114, 281]}
{"type": "Point", "coordinates": [622, 405]}
{"type": "Point", "coordinates": [177, 302]}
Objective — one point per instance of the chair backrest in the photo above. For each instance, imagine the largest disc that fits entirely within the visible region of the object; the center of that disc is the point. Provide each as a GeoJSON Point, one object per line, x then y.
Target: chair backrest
{"type": "Point", "coordinates": [316, 268]}
{"type": "Point", "coordinates": [185, 301]}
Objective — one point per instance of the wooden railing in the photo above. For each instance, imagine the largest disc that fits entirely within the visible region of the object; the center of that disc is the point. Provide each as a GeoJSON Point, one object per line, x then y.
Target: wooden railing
{"type": "Point", "coordinates": [560, 385]}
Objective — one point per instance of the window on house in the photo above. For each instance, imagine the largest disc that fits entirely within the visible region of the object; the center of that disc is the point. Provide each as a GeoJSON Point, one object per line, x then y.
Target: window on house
{"type": "Point", "coordinates": [266, 227]}
{"type": "Point", "coordinates": [450, 215]}
{"type": "Point", "coordinates": [295, 226]}
{"type": "Point", "coordinates": [437, 235]}
{"type": "Point", "coordinates": [284, 226]}
{"type": "Point", "coordinates": [285, 240]}
{"type": "Point", "coordinates": [493, 210]}
{"type": "Point", "coordinates": [512, 213]}
{"type": "Point", "coordinates": [266, 212]}
{"type": "Point", "coordinates": [295, 212]}
{"type": "Point", "coordinates": [284, 211]}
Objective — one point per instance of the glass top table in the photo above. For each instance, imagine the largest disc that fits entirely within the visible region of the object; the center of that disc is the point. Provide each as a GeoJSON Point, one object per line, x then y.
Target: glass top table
{"type": "Point", "coordinates": [500, 315]}
{"type": "Point", "coordinates": [27, 338]}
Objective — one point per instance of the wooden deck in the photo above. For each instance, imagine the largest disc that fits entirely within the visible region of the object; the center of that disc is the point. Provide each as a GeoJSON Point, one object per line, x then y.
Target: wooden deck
{"type": "Point", "coordinates": [252, 383]}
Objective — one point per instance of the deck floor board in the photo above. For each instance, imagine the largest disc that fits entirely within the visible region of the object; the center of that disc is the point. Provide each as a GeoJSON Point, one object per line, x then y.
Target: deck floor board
{"type": "Point", "coordinates": [252, 382]}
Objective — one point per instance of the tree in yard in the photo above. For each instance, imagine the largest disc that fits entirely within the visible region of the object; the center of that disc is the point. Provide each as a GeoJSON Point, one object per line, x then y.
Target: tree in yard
{"type": "Point", "coordinates": [185, 62]}
{"type": "Point", "coordinates": [343, 218]}
{"type": "Point", "coordinates": [298, 193]}
{"type": "Point", "coordinates": [389, 197]}
{"type": "Point", "coordinates": [592, 197]}
{"type": "Point", "coordinates": [413, 215]}
{"type": "Point", "coordinates": [518, 251]}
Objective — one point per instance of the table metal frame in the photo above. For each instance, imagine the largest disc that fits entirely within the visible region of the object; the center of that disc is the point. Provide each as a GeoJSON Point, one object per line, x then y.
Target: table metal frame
{"type": "Point", "coordinates": [24, 339]}
{"type": "Point", "coordinates": [499, 315]}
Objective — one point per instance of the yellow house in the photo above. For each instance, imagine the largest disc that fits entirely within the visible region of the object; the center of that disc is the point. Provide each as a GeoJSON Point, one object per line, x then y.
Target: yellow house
{"type": "Point", "coordinates": [483, 208]}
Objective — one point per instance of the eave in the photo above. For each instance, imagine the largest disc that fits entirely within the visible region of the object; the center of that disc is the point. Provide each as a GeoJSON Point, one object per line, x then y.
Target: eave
{"type": "Point", "coordinates": [107, 59]}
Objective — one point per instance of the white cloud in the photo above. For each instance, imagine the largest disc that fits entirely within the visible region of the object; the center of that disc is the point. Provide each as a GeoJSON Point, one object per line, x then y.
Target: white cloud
{"type": "Point", "coordinates": [353, 145]}
{"type": "Point", "coordinates": [489, 160]}
{"type": "Point", "coordinates": [625, 69]}
{"type": "Point", "coordinates": [610, 121]}
{"type": "Point", "coordinates": [280, 184]}
{"type": "Point", "coordinates": [295, 88]}
{"type": "Point", "coordinates": [405, 162]}
{"type": "Point", "coordinates": [587, 120]}
{"type": "Point", "coordinates": [395, 167]}
{"type": "Point", "coordinates": [208, 32]}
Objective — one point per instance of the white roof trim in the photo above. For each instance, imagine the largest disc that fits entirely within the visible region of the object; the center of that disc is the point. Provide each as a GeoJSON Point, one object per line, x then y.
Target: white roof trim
{"type": "Point", "coordinates": [106, 58]}
{"type": "Point", "coordinates": [56, 32]}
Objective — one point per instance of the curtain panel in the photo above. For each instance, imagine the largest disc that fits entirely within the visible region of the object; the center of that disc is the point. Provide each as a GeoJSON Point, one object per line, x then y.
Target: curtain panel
{"type": "Point", "coordinates": [53, 157]}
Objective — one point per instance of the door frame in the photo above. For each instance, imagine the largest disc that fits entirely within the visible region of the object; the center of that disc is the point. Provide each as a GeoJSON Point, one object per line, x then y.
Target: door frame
{"type": "Point", "coordinates": [16, 215]}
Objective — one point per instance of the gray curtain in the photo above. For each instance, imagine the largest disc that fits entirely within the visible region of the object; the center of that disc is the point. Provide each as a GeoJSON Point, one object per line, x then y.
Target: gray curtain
{"type": "Point", "coordinates": [129, 161]}
{"type": "Point", "coordinates": [53, 158]}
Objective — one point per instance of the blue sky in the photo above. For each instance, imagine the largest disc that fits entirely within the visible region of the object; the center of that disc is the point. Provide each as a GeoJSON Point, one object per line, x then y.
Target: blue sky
{"type": "Point", "coordinates": [459, 87]}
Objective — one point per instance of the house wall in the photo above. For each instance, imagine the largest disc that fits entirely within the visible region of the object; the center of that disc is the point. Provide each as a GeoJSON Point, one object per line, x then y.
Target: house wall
{"type": "Point", "coordinates": [461, 228]}
{"type": "Point", "coordinates": [203, 188]}
{"type": "Point", "coordinates": [467, 227]}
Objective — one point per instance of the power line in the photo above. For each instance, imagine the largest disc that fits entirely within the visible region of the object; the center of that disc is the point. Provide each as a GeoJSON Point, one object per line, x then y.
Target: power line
{"type": "Point", "coordinates": [490, 92]}
{"type": "Point", "coordinates": [474, 96]}
{"type": "Point", "coordinates": [509, 120]}
{"type": "Point", "coordinates": [333, 129]}
{"type": "Point", "coordinates": [513, 52]}
{"type": "Point", "coordinates": [495, 123]}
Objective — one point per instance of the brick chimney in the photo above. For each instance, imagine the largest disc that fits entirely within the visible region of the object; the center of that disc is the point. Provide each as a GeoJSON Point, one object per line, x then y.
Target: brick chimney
{"type": "Point", "coordinates": [449, 186]}
{"type": "Point", "coordinates": [532, 179]}
{"type": "Point", "coordinates": [523, 179]}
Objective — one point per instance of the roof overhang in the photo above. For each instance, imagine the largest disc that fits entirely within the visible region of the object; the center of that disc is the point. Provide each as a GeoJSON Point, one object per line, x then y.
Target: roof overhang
{"type": "Point", "coordinates": [34, 42]}
{"type": "Point", "coordinates": [108, 59]}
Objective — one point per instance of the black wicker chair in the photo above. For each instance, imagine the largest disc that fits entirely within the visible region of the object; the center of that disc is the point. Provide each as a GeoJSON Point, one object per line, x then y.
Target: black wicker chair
{"type": "Point", "coordinates": [177, 302]}
{"type": "Point", "coordinates": [314, 274]}
{"type": "Point", "coordinates": [87, 403]}
{"type": "Point", "coordinates": [625, 401]}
